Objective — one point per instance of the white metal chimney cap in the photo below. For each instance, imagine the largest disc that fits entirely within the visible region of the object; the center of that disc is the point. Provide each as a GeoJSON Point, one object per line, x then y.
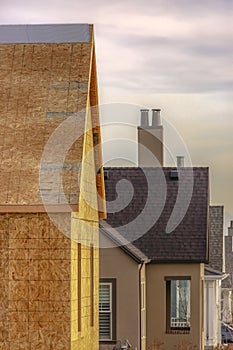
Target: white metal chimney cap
{"type": "Point", "coordinates": [144, 117]}
{"type": "Point", "coordinates": [156, 118]}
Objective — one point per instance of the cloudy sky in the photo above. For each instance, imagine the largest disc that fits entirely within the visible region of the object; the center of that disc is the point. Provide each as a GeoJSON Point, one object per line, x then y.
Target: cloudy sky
{"type": "Point", "coordinates": [172, 54]}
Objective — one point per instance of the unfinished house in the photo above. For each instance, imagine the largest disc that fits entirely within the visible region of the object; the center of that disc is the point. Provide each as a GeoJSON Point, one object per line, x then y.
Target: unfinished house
{"type": "Point", "coordinates": [51, 187]}
{"type": "Point", "coordinates": [213, 280]}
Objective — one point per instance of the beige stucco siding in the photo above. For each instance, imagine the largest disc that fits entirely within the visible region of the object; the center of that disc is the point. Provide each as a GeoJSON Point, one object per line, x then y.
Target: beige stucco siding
{"type": "Point", "coordinates": [114, 263]}
{"type": "Point", "coordinates": [156, 299]}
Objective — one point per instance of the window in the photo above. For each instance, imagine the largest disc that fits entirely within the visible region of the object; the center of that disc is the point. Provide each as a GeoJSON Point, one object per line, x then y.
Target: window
{"type": "Point", "coordinates": [178, 303]}
{"type": "Point", "coordinates": [107, 310]}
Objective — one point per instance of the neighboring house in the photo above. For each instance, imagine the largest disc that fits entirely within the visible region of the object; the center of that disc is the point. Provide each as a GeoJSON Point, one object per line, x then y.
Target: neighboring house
{"type": "Point", "coordinates": [227, 301]}
{"type": "Point", "coordinates": [49, 274]}
{"type": "Point", "coordinates": [227, 284]}
{"type": "Point", "coordinates": [229, 251]}
{"type": "Point", "coordinates": [212, 308]}
{"type": "Point", "coordinates": [216, 238]}
{"type": "Point", "coordinates": [149, 214]}
{"type": "Point", "coordinates": [214, 275]}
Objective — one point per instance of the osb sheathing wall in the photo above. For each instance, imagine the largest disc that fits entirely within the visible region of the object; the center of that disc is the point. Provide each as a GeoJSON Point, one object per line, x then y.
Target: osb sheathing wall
{"type": "Point", "coordinates": [85, 231]}
{"type": "Point", "coordinates": [35, 283]}
{"type": "Point", "coordinates": [87, 336]}
{"type": "Point", "coordinates": [93, 97]}
{"type": "Point", "coordinates": [37, 291]}
{"type": "Point", "coordinates": [41, 84]}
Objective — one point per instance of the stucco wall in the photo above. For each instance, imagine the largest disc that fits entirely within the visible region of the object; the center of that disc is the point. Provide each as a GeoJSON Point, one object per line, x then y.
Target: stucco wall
{"type": "Point", "coordinates": [114, 263]}
{"type": "Point", "coordinates": [150, 146]}
{"type": "Point", "coordinates": [156, 301]}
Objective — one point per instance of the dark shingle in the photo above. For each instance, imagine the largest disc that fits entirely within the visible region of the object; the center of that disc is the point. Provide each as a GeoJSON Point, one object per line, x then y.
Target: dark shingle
{"type": "Point", "coordinates": [216, 237]}
{"type": "Point", "coordinates": [144, 202]}
{"type": "Point", "coordinates": [121, 242]}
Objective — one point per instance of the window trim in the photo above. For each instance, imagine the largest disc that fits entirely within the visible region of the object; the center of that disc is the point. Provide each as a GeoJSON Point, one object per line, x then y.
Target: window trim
{"type": "Point", "coordinates": [112, 282]}
{"type": "Point", "coordinates": [169, 328]}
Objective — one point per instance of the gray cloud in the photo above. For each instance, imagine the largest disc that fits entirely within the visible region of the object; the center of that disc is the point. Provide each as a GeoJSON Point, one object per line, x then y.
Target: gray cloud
{"type": "Point", "coordinates": [169, 64]}
{"type": "Point", "coordinates": [165, 74]}
{"type": "Point", "coordinates": [204, 46]}
{"type": "Point", "coordinates": [180, 8]}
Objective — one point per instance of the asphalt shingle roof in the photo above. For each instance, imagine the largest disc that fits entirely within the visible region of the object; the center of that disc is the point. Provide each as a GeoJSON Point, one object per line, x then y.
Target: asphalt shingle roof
{"type": "Point", "coordinates": [120, 241]}
{"type": "Point", "coordinates": [140, 203]}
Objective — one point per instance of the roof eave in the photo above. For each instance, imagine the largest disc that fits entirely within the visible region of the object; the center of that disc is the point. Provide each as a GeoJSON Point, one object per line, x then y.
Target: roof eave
{"type": "Point", "coordinates": [214, 277]}
{"type": "Point", "coordinates": [184, 261]}
{"type": "Point", "coordinates": [123, 247]}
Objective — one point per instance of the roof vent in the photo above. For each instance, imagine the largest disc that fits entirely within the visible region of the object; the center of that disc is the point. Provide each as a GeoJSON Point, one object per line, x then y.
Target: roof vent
{"type": "Point", "coordinates": [156, 118]}
{"type": "Point", "coordinates": [144, 118]}
{"type": "Point", "coordinates": [174, 174]}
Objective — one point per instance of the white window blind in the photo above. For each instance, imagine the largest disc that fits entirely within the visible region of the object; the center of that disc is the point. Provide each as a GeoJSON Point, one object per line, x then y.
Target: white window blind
{"type": "Point", "coordinates": [105, 311]}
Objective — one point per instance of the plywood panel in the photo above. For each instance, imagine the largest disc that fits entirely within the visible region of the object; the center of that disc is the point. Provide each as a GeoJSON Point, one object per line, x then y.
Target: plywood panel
{"type": "Point", "coordinates": [35, 288]}
{"type": "Point", "coordinates": [35, 80]}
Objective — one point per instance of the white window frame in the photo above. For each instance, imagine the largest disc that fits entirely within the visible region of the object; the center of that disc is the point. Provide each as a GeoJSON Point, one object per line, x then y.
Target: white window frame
{"type": "Point", "coordinates": [106, 312]}
{"type": "Point", "coordinates": [174, 323]}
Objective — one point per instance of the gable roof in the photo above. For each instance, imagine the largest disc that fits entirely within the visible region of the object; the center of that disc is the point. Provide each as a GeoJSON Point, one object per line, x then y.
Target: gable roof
{"type": "Point", "coordinates": [121, 242]}
{"type": "Point", "coordinates": [45, 75]}
{"type": "Point", "coordinates": [141, 216]}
